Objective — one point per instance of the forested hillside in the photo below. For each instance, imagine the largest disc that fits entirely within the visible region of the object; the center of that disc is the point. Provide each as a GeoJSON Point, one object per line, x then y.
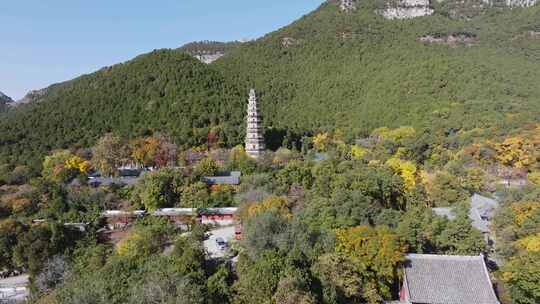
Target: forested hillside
{"type": "Point", "coordinates": [358, 71]}
{"type": "Point", "coordinates": [165, 90]}
{"type": "Point", "coordinates": [353, 71]}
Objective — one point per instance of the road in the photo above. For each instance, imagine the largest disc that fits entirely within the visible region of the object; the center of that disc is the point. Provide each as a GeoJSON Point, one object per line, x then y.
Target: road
{"type": "Point", "coordinates": [210, 245]}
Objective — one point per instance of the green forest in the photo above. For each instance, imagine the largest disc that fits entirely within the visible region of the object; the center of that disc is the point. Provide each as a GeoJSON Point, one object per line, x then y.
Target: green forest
{"type": "Point", "coordinates": [327, 70]}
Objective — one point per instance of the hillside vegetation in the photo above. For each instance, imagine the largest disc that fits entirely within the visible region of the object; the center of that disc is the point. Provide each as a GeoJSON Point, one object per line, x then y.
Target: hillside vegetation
{"type": "Point", "coordinates": [359, 71]}
{"type": "Point", "coordinates": [165, 90]}
{"type": "Point", "coordinates": [352, 71]}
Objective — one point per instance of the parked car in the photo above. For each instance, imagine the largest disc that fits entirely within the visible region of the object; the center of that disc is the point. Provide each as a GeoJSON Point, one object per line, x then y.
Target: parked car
{"type": "Point", "coordinates": [222, 245]}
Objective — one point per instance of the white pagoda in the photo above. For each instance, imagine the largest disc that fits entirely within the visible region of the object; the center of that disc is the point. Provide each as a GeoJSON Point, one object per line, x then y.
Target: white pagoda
{"type": "Point", "coordinates": [254, 132]}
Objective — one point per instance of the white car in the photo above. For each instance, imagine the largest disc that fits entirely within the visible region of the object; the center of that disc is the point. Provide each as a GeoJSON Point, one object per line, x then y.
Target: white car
{"type": "Point", "coordinates": [222, 245]}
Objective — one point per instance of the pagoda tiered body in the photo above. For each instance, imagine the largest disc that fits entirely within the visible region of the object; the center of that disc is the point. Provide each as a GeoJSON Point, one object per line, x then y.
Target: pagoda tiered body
{"type": "Point", "coordinates": [254, 137]}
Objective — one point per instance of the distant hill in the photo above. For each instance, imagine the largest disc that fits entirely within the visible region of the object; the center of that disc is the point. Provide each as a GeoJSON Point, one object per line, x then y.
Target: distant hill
{"type": "Point", "coordinates": [461, 68]}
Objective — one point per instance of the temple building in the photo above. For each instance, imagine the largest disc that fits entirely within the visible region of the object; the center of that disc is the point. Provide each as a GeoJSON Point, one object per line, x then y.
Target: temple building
{"type": "Point", "coordinates": [254, 132]}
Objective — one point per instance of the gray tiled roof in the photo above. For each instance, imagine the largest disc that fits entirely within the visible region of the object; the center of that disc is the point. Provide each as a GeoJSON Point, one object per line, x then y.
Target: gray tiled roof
{"type": "Point", "coordinates": [233, 178]}
{"type": "Point", "coordinates": [447, 212]}
{"type": "Point", "coordinates": [440, 279]}
{"type": "Point", "coordinates": [482, 211]}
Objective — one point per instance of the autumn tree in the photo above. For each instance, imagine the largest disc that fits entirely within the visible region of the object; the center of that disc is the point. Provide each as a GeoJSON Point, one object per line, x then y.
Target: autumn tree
{"type": "Point", "coordinates": [206, 167]}
{"type": "Point", "coordinates": [144, 151]}
{"type": "Point", "coordinates": [375, 253]}
{"type": "Point", "coordinates": [322, 141]}
{"type": "Point", "coordinates": [515, 152]}
{"type": "Point", "coordinates": [62, 166]}
{"type": "Point", "coordinates": [276, 204]}
{"type": "Point", "coordinates": [108, 154]}
{"type": "Point", "coordinates": [239, 160]}
{"type": "Point", "coordinates": [406, 169]}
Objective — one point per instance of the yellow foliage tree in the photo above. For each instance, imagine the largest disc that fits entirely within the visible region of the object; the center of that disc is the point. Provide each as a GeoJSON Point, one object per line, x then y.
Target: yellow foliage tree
{"type": "Point", "coordinates": [62, 165]}
{"type": "Point", "coordinates": [376, 252]}
{"type": "Point", "coordinates": [530, 243]}
{"type": "Point", "coordinates": [515, 152]}
{"type": "Point", "coordinates": [273, 203]}
{"type": "Point", "coordinates": [322, 141]}
{"type": "Point", "coordinates": [133, 246]}
{"type": "Point", "coordinates": [79, 164]}
{"type": "Point", "coordinates": [358, 152]}
{"type": "Point", "coordinates": [406, 169]}
{"type": "Point", "coordinates": [535, 178]}
{"type": "Point", "coordinates": [144, 150]}
{"type": "Point", "coordinates": [523, 210]}
{"type": "Point", "coordinates": [398, 135]}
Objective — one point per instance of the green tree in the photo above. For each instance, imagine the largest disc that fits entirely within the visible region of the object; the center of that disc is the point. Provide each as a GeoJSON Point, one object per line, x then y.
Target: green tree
{"type": "Point", "coordinates": [219, 285]}
{"type": "Point", "coordinates": [147, 238]}
{"type": "Point", "coordinates": [159, 189]}
{"type": "Point", "coordinates": [522, 275]}
{"type": "Point", "coordinates": [460, 238]}
{"type": "Point", "coordinates": [341, 282]}
{"type": "Point", "coordinates": [258, 279]}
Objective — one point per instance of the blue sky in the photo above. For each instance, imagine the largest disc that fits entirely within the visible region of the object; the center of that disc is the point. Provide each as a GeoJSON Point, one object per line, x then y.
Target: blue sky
{"type": "Point", "coordinates": [44, 42]}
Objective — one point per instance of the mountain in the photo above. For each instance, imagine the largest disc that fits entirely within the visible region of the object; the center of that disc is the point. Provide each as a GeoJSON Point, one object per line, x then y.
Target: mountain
{"type": "Point", "coordinates": [358, 71]}
{"type": "Point", "coordinates": [460, 68]}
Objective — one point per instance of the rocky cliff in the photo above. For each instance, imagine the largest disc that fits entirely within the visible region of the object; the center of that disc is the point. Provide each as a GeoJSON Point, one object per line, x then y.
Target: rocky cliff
{"type": "Point", "coordinates": [209, 51]}
{"type": "Point", "coordinates": [406, 9]}
{"type": "Point", "coordinates": [34, 96]}
{"type": "Point", "coordinates": [5, 99]}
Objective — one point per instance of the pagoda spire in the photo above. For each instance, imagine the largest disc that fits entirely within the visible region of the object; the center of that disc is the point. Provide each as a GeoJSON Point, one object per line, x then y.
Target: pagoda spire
{"type": "Point", "coordinates": [254, 131]}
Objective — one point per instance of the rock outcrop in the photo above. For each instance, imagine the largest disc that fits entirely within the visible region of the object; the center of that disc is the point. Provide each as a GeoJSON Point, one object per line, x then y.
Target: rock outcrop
{"type": "Point", "coordinates": [4, 99]}
{"type": "Point", "coordinates": [209, 51]}
{"type": "Point", "coordinates": [451, 39]}
{"type": "Point", "coordinates": [287, 42]}
{"type": "Point", "coordinates": [34, 96]}
{"type": "Point", "coordinates": [520, 3]}
{"type": "Point", "coordinates": [347, 5]}
{"type": "Point", "coordinates": [209, 57]}
{"type": "Point", "coordinates": [406, 9]}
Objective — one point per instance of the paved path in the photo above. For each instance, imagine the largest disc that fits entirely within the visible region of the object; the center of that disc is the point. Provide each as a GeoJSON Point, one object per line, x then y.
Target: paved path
{"type": "Point", "coordinates": [14, 288]}
{"type": "Point", "coordinates": [210, 245]}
